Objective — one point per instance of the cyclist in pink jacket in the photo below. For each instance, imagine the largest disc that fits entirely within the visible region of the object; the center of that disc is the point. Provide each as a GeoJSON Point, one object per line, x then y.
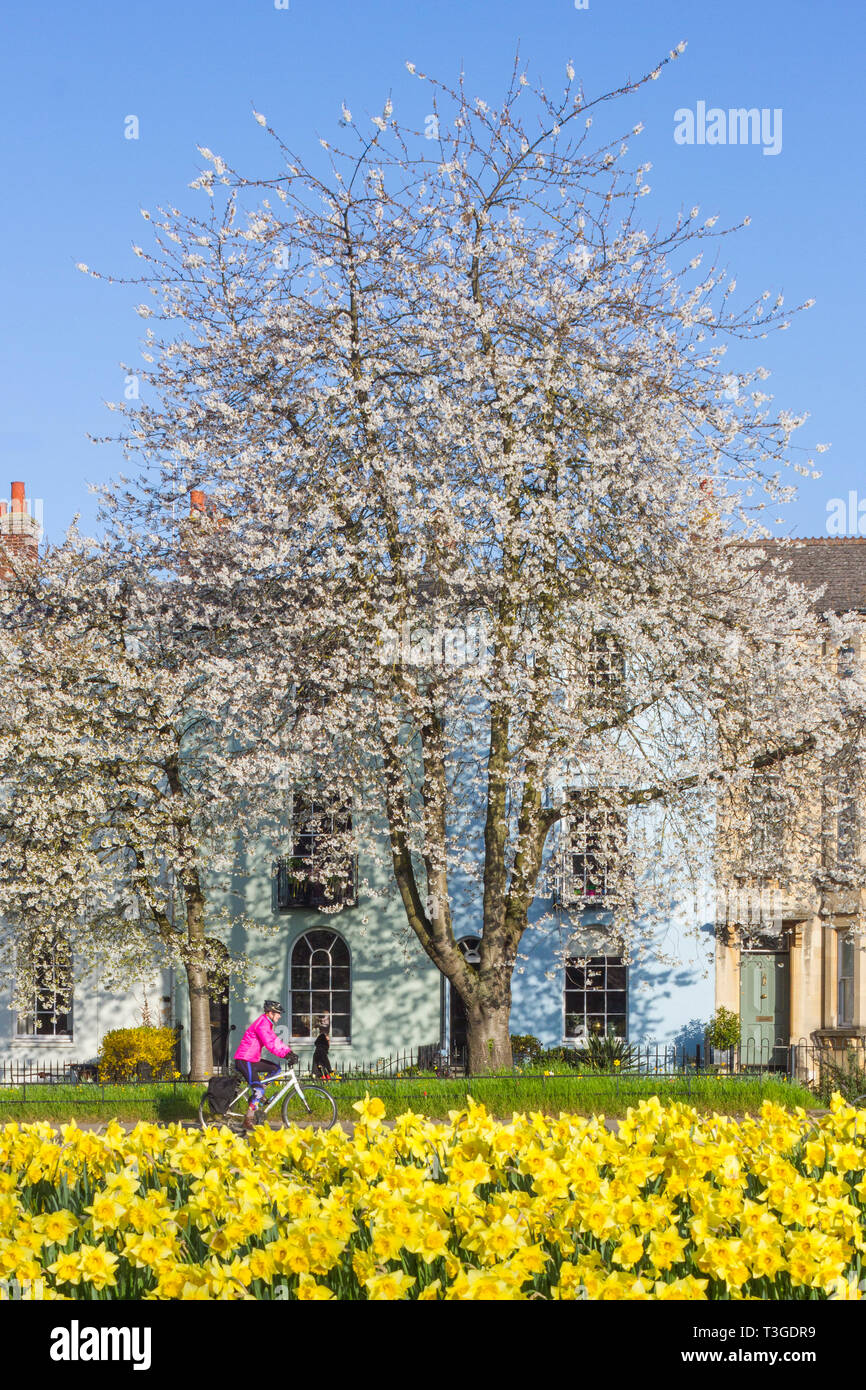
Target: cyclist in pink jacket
{"type": "Point", "coordinates": [248, 1058]}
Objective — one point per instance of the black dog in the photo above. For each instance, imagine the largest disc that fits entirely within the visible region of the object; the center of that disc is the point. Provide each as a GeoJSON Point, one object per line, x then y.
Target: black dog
{"type": "Point", "coordinates": [321, 1060]}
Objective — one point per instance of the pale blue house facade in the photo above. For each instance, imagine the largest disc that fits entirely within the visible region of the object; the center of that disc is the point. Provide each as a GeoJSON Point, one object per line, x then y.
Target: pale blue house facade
{"type": "Point", "coordinates": [362, 967]}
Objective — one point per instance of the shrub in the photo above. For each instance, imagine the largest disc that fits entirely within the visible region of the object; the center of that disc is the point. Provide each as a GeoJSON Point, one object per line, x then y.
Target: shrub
{"type": "Point", "coordinates": [849, 1079]}
{"type": "Point", "coordinates": [525, 1048]}
{"type": "Point", "coordinates": [723, 1029]}
{"type": "Point", "coordinates": [145, 1053]}
{"type": "Point", "coordinates": [606, 1054]}
{"type": "Point", "coordinates": [557, 1058]}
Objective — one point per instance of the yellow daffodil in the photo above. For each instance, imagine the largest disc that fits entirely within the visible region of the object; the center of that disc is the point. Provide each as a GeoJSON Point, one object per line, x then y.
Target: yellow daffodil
{"type": "Point", "coordinates": [675, 1205]}
{"type": "Point", "coordinates": [629, 1251]}
{"type": "Point", "coordinates": [98, 1265]}
{"type": "Point", "coordinates": [371, 1112]}
{"type": "Point", "coordinates": [57, 1226]}
{"type": "Point", "coordinates": [67, 1268]}
{"type": "Point", "coordinates": [309, 1291]}
{"type": "Point", "coordinates": [389, 1286]}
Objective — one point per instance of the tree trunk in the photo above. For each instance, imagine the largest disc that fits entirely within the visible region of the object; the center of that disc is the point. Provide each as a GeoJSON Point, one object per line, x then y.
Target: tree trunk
{"type": "Point", "coordinates": [488, 1037]}
{"type": "Point", "coordinates": [200, 1043]}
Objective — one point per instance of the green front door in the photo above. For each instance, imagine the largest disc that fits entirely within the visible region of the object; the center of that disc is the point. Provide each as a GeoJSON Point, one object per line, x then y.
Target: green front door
{"type": "Point", "coordinates": [765, 994]}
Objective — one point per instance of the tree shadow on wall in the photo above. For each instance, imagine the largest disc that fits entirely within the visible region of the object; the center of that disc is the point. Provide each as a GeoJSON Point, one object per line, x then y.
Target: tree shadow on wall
{"type": "Point", "coordinates": [649, 1019]}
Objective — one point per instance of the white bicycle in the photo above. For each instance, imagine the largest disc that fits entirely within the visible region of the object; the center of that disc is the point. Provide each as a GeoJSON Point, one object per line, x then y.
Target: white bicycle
{"type": "Point", "coordinates": [308, 1106]}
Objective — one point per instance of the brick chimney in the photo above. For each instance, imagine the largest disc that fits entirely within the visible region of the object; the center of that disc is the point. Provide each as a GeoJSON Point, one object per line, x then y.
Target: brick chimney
{"type": "Point", "coordinates": [198, 530]}
{"type": "Point", "coordinates": [19, 533]}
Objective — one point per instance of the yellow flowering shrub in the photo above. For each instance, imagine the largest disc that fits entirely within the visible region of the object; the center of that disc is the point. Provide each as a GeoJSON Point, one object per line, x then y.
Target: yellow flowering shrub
{"type": "Point", "coordinates": [674, 1205]}
{"type": "Point", "coordinates": [124, 1049]}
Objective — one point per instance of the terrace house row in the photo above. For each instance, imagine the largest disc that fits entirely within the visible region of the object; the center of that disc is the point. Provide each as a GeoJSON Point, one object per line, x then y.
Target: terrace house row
{"type": "Point", "coordinates": [799, 975]}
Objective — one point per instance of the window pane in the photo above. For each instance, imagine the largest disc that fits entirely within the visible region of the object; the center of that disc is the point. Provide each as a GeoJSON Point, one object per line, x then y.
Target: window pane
{"type": "Point", "coordinates": [321, 976]}
{"type": "Point", "coordinates": [302, 847]}
{"type": "Point", "coordinates": [49, 1013]}
{"type": "Point", "coordinates": [300, 1025]}
{"type": "Point", "coordinates": [589, 877]}
{"type": "Point", "coordinates": [340, 977]}
{"type": "Point", "coordinates": [339, 1026]}
{"type": "Point", "coordinates": [301, 952]}
{"type": "Point", "coordinates": [340, 953]}
{"type": "Point", "coordinates": [300, 977]}
{"type": "Point", "coordinates": [602, 1005]}
{"type": "Point", "coordinates": [321, 1002]}
{"type": "Point", "coordinates": [846, 956]}
{"type": "Point", "coordinates": [321, 940]}
{"type": "Point", "coordinates": [846, 1001]}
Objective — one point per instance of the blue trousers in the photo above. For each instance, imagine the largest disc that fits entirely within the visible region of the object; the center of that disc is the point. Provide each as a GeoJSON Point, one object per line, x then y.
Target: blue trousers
{"type": "Point", "coordinates": [253, 1072]}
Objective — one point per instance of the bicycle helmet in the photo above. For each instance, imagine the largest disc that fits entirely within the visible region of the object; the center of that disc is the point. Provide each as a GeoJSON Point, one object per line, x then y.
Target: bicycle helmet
{"type": "Point", "coordinates": [271, 1004]}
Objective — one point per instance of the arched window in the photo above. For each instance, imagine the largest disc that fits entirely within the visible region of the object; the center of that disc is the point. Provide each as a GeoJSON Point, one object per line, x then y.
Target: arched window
{"type": "Point", "coordinates": [321, 987]}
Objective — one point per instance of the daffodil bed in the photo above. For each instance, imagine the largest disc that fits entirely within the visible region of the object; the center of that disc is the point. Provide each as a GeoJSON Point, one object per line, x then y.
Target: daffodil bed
{"type": "Point", "coordinates": [674, 1206]}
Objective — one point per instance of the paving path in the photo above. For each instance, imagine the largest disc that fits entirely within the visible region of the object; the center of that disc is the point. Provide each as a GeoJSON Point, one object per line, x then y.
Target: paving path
{"type": "Point", "coordinates": [99, 1126]}
{"type": "Point", "coordinates": [612, 1123]}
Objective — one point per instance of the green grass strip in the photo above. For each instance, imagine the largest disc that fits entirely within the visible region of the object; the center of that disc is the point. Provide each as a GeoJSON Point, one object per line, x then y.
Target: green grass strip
{"type": "Point", "coordinates": [611, 1095]}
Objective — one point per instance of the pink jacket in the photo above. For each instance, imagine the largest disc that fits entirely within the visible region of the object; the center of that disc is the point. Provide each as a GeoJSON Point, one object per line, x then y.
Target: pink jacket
{"type": "Point", "coordinates": [260, 1034]}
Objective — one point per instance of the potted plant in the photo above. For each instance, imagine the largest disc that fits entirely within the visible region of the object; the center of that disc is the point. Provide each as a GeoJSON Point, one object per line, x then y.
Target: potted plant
{"type": "Point", "coordinates": [722, 1036]}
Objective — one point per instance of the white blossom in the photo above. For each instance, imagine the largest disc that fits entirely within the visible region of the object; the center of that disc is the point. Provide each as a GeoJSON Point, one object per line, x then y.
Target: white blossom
{"type": "Point", "coordinates": [454, 468]}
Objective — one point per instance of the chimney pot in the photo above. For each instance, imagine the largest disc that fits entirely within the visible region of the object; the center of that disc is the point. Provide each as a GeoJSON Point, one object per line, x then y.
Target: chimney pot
{"type": "Point", "coordinates": [196, 501]}
{"type": "Point", "coordinates": [19, 534]}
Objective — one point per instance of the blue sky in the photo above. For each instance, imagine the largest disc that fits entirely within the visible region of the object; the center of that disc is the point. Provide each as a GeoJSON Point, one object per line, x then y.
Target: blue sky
{"type": "Point", "coordinates": [73, 185]}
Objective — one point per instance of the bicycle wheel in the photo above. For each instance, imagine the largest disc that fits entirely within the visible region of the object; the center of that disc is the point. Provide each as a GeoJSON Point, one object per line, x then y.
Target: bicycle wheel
{"type": "Point", "coordinates": [314, 1109]}
{"type": "Point", "coordinates": [208, 1118]}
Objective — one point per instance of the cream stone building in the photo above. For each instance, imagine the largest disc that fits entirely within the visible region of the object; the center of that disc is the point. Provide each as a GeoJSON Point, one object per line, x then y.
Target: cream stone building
{"type": "Point", "coordinates": [790, 954]}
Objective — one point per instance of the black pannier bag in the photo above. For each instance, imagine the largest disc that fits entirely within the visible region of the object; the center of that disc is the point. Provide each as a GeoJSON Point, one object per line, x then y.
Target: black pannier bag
{"type": "Point", "coordinates": [221, 1091]}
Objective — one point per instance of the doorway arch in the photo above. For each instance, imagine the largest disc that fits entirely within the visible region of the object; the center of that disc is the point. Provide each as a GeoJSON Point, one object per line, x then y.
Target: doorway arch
{"type": "Point", "coordinates": [218, 1001]}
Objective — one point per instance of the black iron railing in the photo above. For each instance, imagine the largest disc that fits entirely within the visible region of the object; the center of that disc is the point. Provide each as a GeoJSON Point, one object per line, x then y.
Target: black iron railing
{"type": "Point", "coordinates": [808, 1062]}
